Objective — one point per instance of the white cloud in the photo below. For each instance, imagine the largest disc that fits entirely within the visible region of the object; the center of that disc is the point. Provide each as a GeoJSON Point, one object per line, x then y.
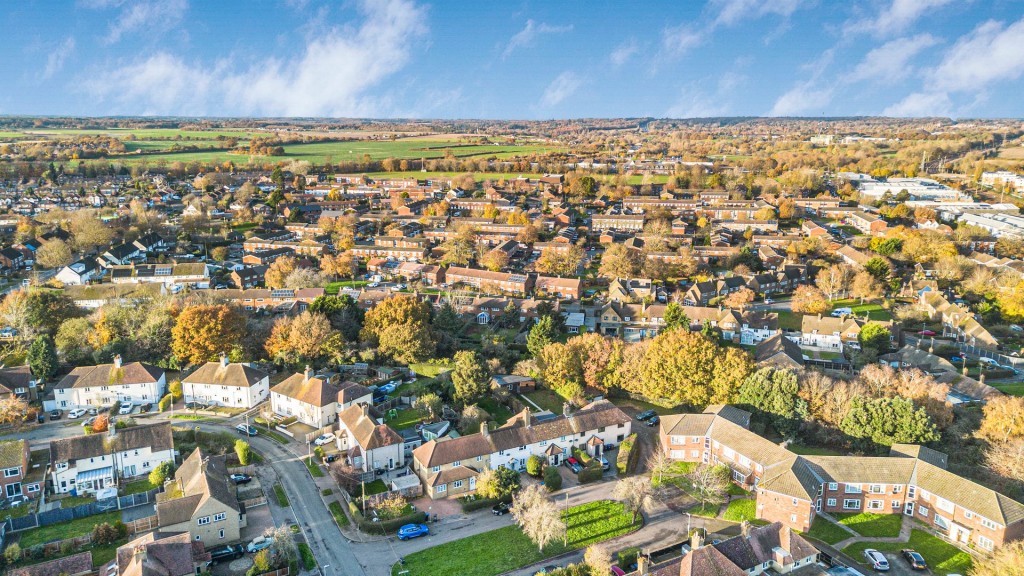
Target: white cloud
{"type": "Point", "coordinates": [896, 18]}
{"type": "Point", "coordinates": [732, 11]}
{"type": "Point", "coordinates": [330, 78]}
{"type": "Point", "coordinates": [990, 53]}
{"type": "Point", "coordinates": [624, 52]}
{"type": "Point", "coordinates": [890, 61]}
{"type": "Point", "coordinates": [921, 104]}
{"type": "Point", "coordinates": [805, 97]}
{"type": "Point", "coordinates": [693, 102]}
{"type": "Point", "coordinates": [55, 59]}
{"type": "Point", "coordinates": [143, 17]}
{"type": "Point", "coordinates": [680, 39]}
{"type": "Point", "coordinates": [525, 37]}
{"type": "Point", "coordinates": [563, 86]}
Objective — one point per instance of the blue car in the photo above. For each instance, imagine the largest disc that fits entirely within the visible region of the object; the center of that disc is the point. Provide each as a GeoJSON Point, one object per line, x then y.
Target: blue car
{"type": "Point", "coordinates": [412, 531]}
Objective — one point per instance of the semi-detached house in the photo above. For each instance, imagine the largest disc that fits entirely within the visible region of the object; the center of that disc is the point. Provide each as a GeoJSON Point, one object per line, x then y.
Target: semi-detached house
{"type": "Point", "coordinates": [96, 461]}
{"type": "Point", "coordinates": [793, 489]}
{"type": "Point", "coordinates": [202, 502]}
{"type": "Point", "coordinates": [450, 466]}
{"type": "Point", "coordinates": [102, 385]}
{"type": "Point", "coordinates": [226, 383]}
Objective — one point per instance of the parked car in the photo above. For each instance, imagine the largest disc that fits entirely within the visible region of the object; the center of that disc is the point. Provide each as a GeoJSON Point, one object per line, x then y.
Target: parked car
{"type": "Point", "coordinates": [604, 464]}
{"type": "Point", "coordinates": [915, 560]}
{"type": "Point", "coordinates": [247, 430]}
{"type": "Point", "coordinates": [145, 408]}
{"type": "Point", "coordinates": [240, 478]}
{"type": "Point", "coordinates": [259, 543]}
{"type": "Point", "coordinates": [89, 421]}
{"type": "Point", "coordinates": [926, 333]}
{"type": "Point", "coordinates": [324, 439]}
{"type": "Point", "coordinates": [40, 418]}
{"type": "Point", "coordinates": [8, 332]}
{"type": "Point", "coordinates": [500, 509]}
{"type": "Point", "coordinates": [126, 408]}
{"type": "Point", "coordinates": [989, 361]}
{"type": "Point", "coordinates": [646, 414]}
{"type": "Point", "coordinates": [769, 301]}
{"type": "Point", "coordinates": [55, 415]}
{"type": "Point", "coordinates": [841, 312]}
{"type": "Point", "coordinates": [616, 571]}
{"type": "Point", "coordinates": [331, 458]}
{"type": "Point", "coordinates": [222, 553]}
{"type": "Point", "coordinates": [76, 413]}
{"type": "Point", "coordinates": [653, 421]}
{"type": "Point", "coordinates": [573, 464]}
{"type": "Point", "coordinates": [412, 531]}
{"type": "Point", "coordinates": [94, 411]}
{"type": "Point", "coordinates": [609, 446]}
{"type": "Point", "coordinates": [876, 560]}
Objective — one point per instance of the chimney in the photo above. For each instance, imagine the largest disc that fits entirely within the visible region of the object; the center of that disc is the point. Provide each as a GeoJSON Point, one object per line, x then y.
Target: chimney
{"type": "Point", "coordinates": [527, 417]}
{"type": "Point", "coordinates": [566, 409]}
{"type": "Point", "coordinates": [140, 554]}
{"type": "Point", "coordinates": [745, 529]}
{"type": "Point", "coordinates": [643, 564]}
{"type": "Point", "coordinates": [696, 540]}
{"type": "Point", "coordinates": [307, 373]}
{"type": "Point", "coordinates": [484, 430]}
{"type": "Point", "coordinates": [223, 359]}
{"type": "Point", "coordinates": [117, 361]}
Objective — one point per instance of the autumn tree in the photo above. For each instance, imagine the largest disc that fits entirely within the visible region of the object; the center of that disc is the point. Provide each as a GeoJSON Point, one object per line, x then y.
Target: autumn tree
{"type": "Point", "coordinates": [708, 484]}
{"type": "Point", "coordinates": [1003, 419]}
{"type": "Point", "coordinates": [560, 262]}
{"type": "Point", "coordinates": [341, 265]}
{"type": "Point", "coordinates": [1007, 459]}
{"type": "Point", "coordinates": [562, 369]}
{"type": "Point", "coordinates": [306, 337]}
{"type": "Point", "coordinates": [303, 278]}
{"type": "Point", "coordinates": [400, 326]}
{"type": "Point", "coordinates": [598, 559]}
{"type": "Point", "coordinates": [53, 254]}
{"type": "Point", "coordinates": [12, 409]}
{"type": "Point", "coordinates": [1007, 560]}
{"type": "Point", "coordinates": [87, 231]}
{"type": "Point", "coordinates": [618, 261]}
{"type": "Point", "coordinates": [470, 376]}
{"type": "Point", "coordinates": [494, 260]}
{"type": "Point", "coordinates": [201, 333]}
{"type": "Point", "coordinates": [809, 300]}
{"type": "Point", "coordinates": [460, 250]}
{"type": "Point", "coordinates": [740, 299]}
{"type": "Point", "coordinates": [279, 270]}
{"type": "Point", "coordinates": [538, 517]}
{"type": "Point", "coordinates": [429, 405]}
{"type": "Point", "coordinates": [834, 279]}
{"type": "Point", "coordinates": [866, 287]}
{"type": "Point", "coordinates": [635, 493]}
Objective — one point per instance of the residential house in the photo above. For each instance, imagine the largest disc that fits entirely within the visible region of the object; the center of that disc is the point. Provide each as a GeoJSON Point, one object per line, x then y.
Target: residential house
{"type": "Point", "coordinates": [852, 256]}
{"type": "Point", "coordinates": [19, 381]}
{"type": "Point", "coordinates": [631, 322]}
{"type": "Point", "coordinates": [313, 400]}
{"type": "Point", "coordinates": [957, 320]}
{"type": "Point", "coordinates": [86, 464]}
{"type": "Point", "coordinates": [487, 281]}
{"type": "Point", "coordinates": [11, 258]}
{"type": "Point", "coordinates": [780, 352]}
{"type": "Point", "coordinates": [449, 466]}
{"type": "Point", "coordinates": [190, 274]}
{"type": "Point", "coordinates": [793, 489]}
{"type": "Point", "coordinates": [202, 502]}
{"type": "Point", "coordinates": [831, 333]}
{"type": "Point", "coordinates": [148, 556]}
{"type": "Point", "coordinates": [14, 461]}
{"type": "Point", "coordinates": [602, 222]}
{"type": "Point", "coordinates": [369, 445]}
{"type": "Point", "coordinates": [513, 383]}
{"type": "Point", "coordinates": [248, 276]}
{"type": "Point", "coordinates": [871, 224]}
{"type": "Point", "coordinates": [225, 383]}
{"type": "Point", "coordinates": [747, 328]}
{"type": "Point", "coordinates": [566, 288]}
{"type": "Point", "coordinates": [101, 386]}
{"type": "Point", "coordinates": [772, 549]}
{"type": "Point", "coordinates": [78, 273]}
{"type": "Point", "coordinates": [120, 255]}
{"type": "Point", "coordinates": [74, 565]}
{"type": "Point", "coordinates": [630, 290]}
{"type": "Point", "coordinates": [701, 293]}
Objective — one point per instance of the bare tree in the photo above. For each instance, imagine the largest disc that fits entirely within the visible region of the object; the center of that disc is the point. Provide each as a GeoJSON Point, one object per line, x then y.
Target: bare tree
{"type": "Point", "coordinates": [537, 516]}
{"type": "Point", "coordinates": [636, 494]}
{"type": "Point", "coordinates": [660, 465]}
{"type": "Point", "coordinates": [598, 558]}
{"type": "Point", "coordinates": [833, 279]}
{"type": "Point", "coordinates": [709, 484]}
{"type": "Point", "coordinates": [1006, 561]}
{"type": "Point", "coordinates": [1007, 459]}
{"type": "Point", "coordinates": [12, 409]}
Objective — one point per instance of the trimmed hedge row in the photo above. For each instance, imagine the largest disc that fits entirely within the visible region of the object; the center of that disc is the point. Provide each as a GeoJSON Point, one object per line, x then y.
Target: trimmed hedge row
{"type": "Point", "coordinates": [628, 456]}
{"type": "Point", "coordinates": [384, 526]}
{"type": "Point", "coordinates": [590, 473]}
{"type": "Point", "coordinates": [481, 503]}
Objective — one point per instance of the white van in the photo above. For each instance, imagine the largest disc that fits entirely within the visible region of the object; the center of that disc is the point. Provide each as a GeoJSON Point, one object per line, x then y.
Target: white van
{"type": "Point", "coordinates": [842, 312]}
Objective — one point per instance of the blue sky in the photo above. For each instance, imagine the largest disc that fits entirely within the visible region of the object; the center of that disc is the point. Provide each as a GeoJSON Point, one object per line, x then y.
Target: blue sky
{"type": "Point", "coordinates": [513, 60]}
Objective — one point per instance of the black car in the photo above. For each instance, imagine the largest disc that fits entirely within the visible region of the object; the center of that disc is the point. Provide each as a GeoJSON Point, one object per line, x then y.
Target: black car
{"type": "Point", "coordinates": [653, 421]}
{"type": "Point", "coordinates": [915, 560]}
{"type": "Point", "coordinates": [646, 414]}
{"type": "Point", "coordinates": [331, 458]}
{"type": "Point", "coordinates": [241, 478]}
{"type": "Point", "coordinates": [500, 509]}
{"type": "Point", "coordinates": [247, 430]}
{"type": "Point", "coordinates": [222, 553]}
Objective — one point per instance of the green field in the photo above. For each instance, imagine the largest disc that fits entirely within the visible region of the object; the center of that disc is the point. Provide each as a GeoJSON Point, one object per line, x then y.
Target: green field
{"type": "Point", "coordinates": [505, 549]}
{"type": "Point", "coordinates": [1011, 389]}
{"type": "Point", "coordinates": [69, 529]}
{"type": "Point", "coordinates": [873, 525]}
{"type": "Point", "coordinates": [144, 133]}
{"type": "Point", "coordinates": [874, 311]}
{"type": "Point", "coordinates": [740, 510]}
{"type": "Point", "coordinates": [478, 176]}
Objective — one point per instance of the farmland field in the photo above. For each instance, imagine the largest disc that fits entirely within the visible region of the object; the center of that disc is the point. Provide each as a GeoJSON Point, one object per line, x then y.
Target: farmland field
{"type": "Point", "coordinates": [143, 133]}
{"type": "Point", "coordinates": [478, 176]}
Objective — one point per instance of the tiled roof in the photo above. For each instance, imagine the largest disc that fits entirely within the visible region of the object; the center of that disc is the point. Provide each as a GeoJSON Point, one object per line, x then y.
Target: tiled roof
{"type": "Point", "coordinates": [307, 389]}
{"type": "Point", "coordinates": [171, 556]}
{"type": "Point", "coordinates": [233, 374]}
{"type": "Point", "coordinates": [108, 375]}
{"type": "Point", "coordinates": [201, 479]}
{"type": "Point", "coordinates": [365, 430]}
{"type": "Point", "coordinates": [451, 475]}
{"type": "Point", "coordinates": [73, 565]}
{"type": "Point", "coordinates": [157, 437]}
{"type": "Point", "coordinates": [12, 453]}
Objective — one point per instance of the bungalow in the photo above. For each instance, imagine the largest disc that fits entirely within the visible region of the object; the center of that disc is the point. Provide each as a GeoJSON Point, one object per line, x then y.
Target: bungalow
{"type": "Point", "coordinates": [102, 385]}
{"type": "Point", "coordinates": [86, 464]}
{"type": "Point", "coordinates": [780, 352]}
{"type": "Point", "coordinates": [78, 273]}
{"type": "Point", "coordinates": [224, 383]}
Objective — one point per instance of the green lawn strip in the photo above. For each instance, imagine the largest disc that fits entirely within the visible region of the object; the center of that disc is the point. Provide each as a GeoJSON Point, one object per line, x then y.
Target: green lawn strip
{"type": "Point", "coordinates": [827, 532]}
{"type": "Point", "coordinates": [790, 320]}
{"type": "Point", "coordinates": [875, 311]}
{"type": "Point", "coordinates": [65, 530]}
{"type": "Point", "coordinates": [640, 406]}
{"type": "Point", "coordinates": [675, 474]}
{"type": "Point", "coordinates": [282, 498]}
{"type": "Point", "coordinates": [137, 487]}
{"type": "Point", "coordinates": [871, 524]}
{"type": "Point", "coordinates": [1011, 389]}
{"type": "Point", "coordinates": [406, 419]}
{"type": "Point", "coordinates": [505, 549]}
{"type": "Point", "coordinates": [429, 369]}
{"type": "Point", "coordinates": [736, 490]}
{"type": "Point", "coordinates": [338, 513]}
{"type": "Point", "coordinates": [279, 438]}
{"type": "Point", "coordinates": [193, 417]}
{"type": "Point", "coordinates": [313, 468]}
{"type": "Point", "coordinates": [706, 510]}
{"type": "Point", "coordinates": [740, 510]}
{"type": "Point", "coordinates": [335, 287]}
{"type": "Point", "coordinates": [72, 501]}
{"type": "Point", "coordinates": [308, 561]}
{"type": "Point", "coordinates": [547, 400]}
{"type": "Point", "coordinates": [499, 413]}
{"type": "Point", "coordinates": [942, 557]}
{"type": "Point", "coordinates": [376, 487]}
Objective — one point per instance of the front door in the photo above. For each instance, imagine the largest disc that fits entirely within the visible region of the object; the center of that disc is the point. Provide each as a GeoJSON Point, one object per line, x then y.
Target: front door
{"type": "Point", "coordinates": [960, 534]}
{"type": "Point", "coordinates": [908, 509]}
{"type": "Point", "coordinates": [472, 483]}
{"type": "Point", "coordinates": [391, 463]}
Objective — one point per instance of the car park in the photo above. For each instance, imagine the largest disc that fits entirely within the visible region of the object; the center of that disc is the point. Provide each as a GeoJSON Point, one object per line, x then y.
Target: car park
{"type": "Point", "coordinates": [126, 408]}
{"type": "Point", "coordinates": [324, 439]}
{"type": "Point", "coordinates": [259, 543]}
{"type": "Point", "coordinates": [247, 430]}
{"type": "Point", "coordinates": [76, 413]}
{"type": "Point", "coordinates": [222, 553]}
{"type": "Point", "coordinates": [876, 560]}
{"type": "Point", "coordinates": [412, 531]}
{"type": "Point", "coordinates": [646, 414]}
{"type": "Point", "coordinates": [500, 509]}
{"type": "Point", "coordinates": [240, 478]}
{"type": "Point", "coordinates": [915, 560]}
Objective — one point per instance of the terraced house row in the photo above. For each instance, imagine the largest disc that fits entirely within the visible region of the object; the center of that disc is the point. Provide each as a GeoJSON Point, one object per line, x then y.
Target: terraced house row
{"type": "Point", "coordinates": [792, 489]}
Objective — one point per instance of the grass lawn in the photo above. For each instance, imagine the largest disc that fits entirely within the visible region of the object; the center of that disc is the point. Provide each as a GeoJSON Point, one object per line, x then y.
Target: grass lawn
{"type": "Point", "coordinates": [428, 369]}
{"type": "Point", "coordinates": [282, 498]}
{"type": "Point", "coordinates": [546, 399]}
{"type": "Point", "coordinates": [338, 513]}
{"type": "Point", "coordinates": [279, 438]}
{"type": "Point", "coordinates": [499, 413]}
{"type": "Point", "coordinates": [308, 561]}
{"type": "Point", "coordinates": [736, 490]}
{"type": "Point", "coordinates": [335, 287]}
{"type": "Point", "coordinates": [406, 419]}
{"type": "Point", "coordinates": [827, 532]}
{"type": "Point", "coordinates": [70, 529]}
{"type": "Point", "coordinates": [72, 501]}
{"type": "Point", "coordinates": [789, 320]}
{"type": "Point", "coordinates": [874, 310]}
{"type": "Point", "coordinates": [942, 557]}
{"type": "Point", "coordinates": [137, 487]}
{"type": "Point", "coordinates": [376, 487]}
{"type": "Point", "coordinates": [740, 510]}
{"type": "Point", "coordinates": [508, 548]}
{"type": "Point", "coordinates": [706, 510]}
{"type": "Point", "coordinates": [313, 468]}
{"type": "Point", "coordinates": [828, 355]}
{"type": "Point", "coordinates": [674, 474]}
{"type": "Point", "coordinates": [640, 406]}
{"type": "Point", "coordinates": [870, 524]}
{"type": "Point", "coordinates": [812, 450]}
{"type": "Point", "coordinates": [1011, 389]}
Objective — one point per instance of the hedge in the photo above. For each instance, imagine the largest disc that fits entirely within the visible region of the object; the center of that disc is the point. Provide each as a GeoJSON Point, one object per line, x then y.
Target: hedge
{"type": "Point", "coordinates": [165, 403]}
{"type": "Point", "coordinates": [481, 503]}
{"type": "Point", "coordinates": [591, 473]}
{"type": "Point", "coordinates": [384, 526]}
{"type": "Point", "coordinates": [626, 461]}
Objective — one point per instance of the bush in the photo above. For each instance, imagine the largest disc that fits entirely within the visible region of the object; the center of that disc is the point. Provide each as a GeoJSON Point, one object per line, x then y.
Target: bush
{"type": "Point", "coordinates": [115, 408]}
{"type": "Point", "coordinates": [244, 452]}
{"type": "Point", "coordinates": [534, 466]}
{"type": "Point", "coordinates": [12, 553]}
{"type": "Point", "coordinates": [626, 461]}
{"type": "Point", "coordinates": [104, 534]}
{"type": "Point", "coordinates": [552, 479]}
{"type": "Point", "coordinates": [159, 475]}
{"type": "Point", "coordinates": [471, 505]}
{"type": "Point", "coordinates": [591, 472]}
{"type": "Point", "coordinates": [67, 547]}
{"type": "Point", "coordinates": [627, 557]}
{"type": "Point", "coordinates": [165, 403]}
{"type": "Point", "coordinates": [384, 526]}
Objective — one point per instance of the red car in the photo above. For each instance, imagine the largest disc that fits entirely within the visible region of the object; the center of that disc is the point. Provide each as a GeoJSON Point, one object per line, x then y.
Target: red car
{"type": "Point", "coordinates": [926, 333]}
{"type": "Point", "coordinates": [573, 464]}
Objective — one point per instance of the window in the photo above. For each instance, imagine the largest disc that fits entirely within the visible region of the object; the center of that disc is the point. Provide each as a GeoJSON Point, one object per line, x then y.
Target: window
{"type": "Point", "coordinates": [851, 488]}
{"type": "Point", "coordinates": [876, 489]}
{"type": "Point", "coordinates": [897, 488]}
{"type": "Point", "coordinates": [876, 504]}
{"type": "Point", "coordinates": [989, 524]}
{"type": "Point", "coordinates": [831, 502]}
{"type": "Point", "coordinates": [457, 484]}
{"type": "Point", "coordinates": [221, 533]}
{"type": "Point", "coordinates": [204, 521]}
{"type": "Point", "coordinates": [219, 516]}
{"type": "Point", "coordinates": [851, 504]}
{"type": "Point", "coordinates": [435, 469]}
{"type": "Point", "coordinates": [985, 542]}
{"type": "Point", "coordinates": [792, 519]}
{"type": "Point", "coordinates": [197, 537]}
{"type": "Point", "coordinates": [833, 486]}
{"type": "Point", "coordinates": [923, 511]}
{"type": "Point", "coordinates": [968, 514]}
{"type": "Point", "coordinates": [32, 487]}
{"type": "Point", "coordinates": [895, 504]}
{"type": "Point", "coordinates": [11, 472]}
{"type": "Point", "coordinates": [14, 489]}
{"type": "Point", "coordinates": [441, 489]}
{"type": "Point", "coordinates": [910, 491]}
{"type": "Point", "coordinates": [457, 463]}
{"type": "Point", "coordinates": [794, 501]}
